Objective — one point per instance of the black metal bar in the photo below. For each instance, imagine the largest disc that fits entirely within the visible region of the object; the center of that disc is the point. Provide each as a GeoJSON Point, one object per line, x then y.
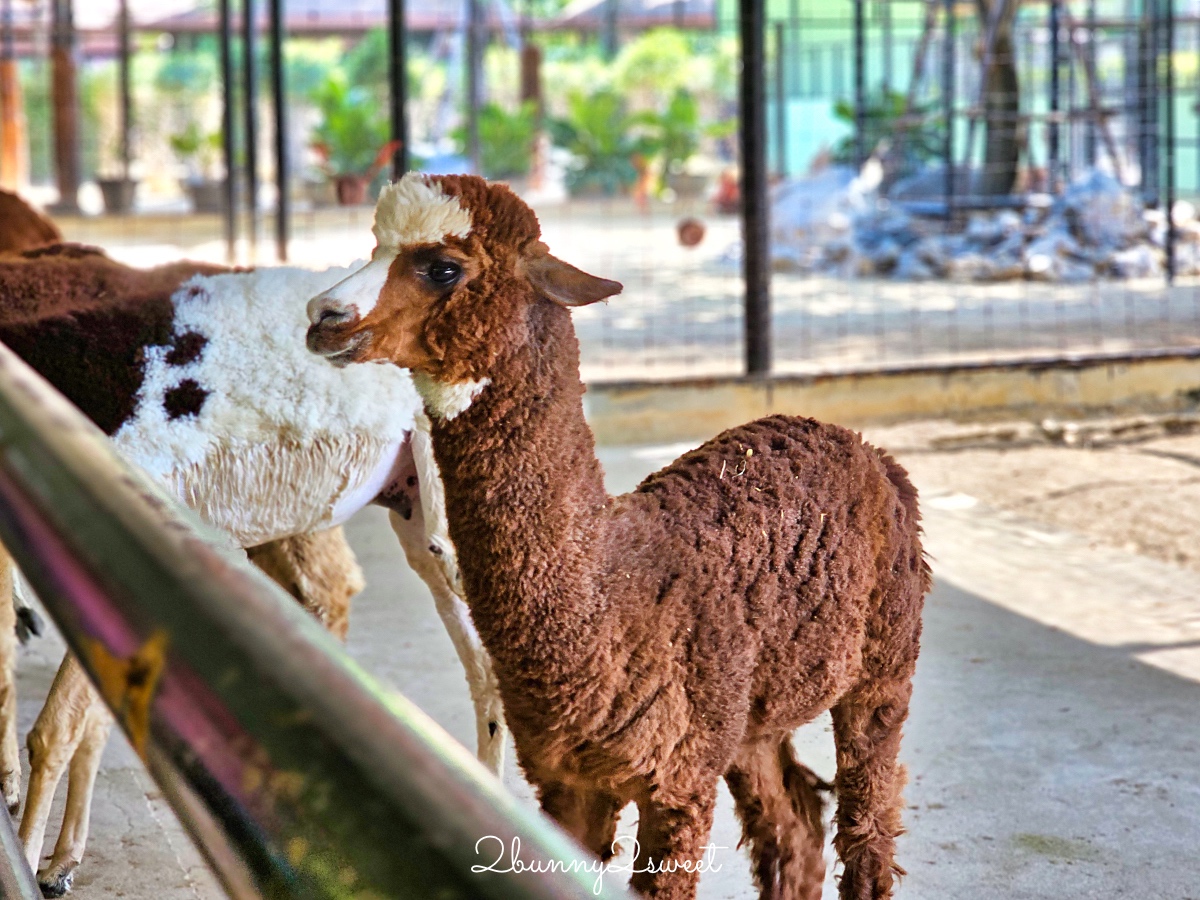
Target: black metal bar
{"type": "Point", "coordinates": [1169, 75]}
{"type": "Point", "coordinates": [7, 38]}
{"type": "Point", "coordinates": [283, 180]}
{"type": "Point", "coordinates": [124, 52]}
{"type": "Point", "coordinates": [398, 75]}
{"type": "Point", "coordinates": [295, 773]}
{"type": "Point", "coordinates": [1090, 130]}
{"type": "Point", "coordinates": [1052, 127]}
{"type": "Point", "coordinates": [885, 9]}
{"type": "Point", "coordinates": [250, 112]}
{"type": "Point", "coordinates": [16, 879]}
{"type": "Point", "coordinates": [755, 205]}
{"type": "Point", "coordinates": [948, 105]}
{"type": "Point", "coordinates": [612, 14]}
{"type": "Point", "coordinates": [780, 103]}
{"type": "Point", "coordinates": [474, 74]}
{"type": "Point", "coordinates": [228, 101]}
{"type": "Point", "coordinates": [860, 83]}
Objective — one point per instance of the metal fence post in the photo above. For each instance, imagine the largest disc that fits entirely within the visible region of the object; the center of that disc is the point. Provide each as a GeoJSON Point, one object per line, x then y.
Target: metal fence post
{"type": "Point", "coordinates": [225, 39]}
{"type": "Point", "coordinates": [250, 113]}
{"type": "Point", "coordinates": [398, 74]}
{"type": "Point", "coordinates": [283, 199]}
{"type": "Point", "coordinates": [755, 202]}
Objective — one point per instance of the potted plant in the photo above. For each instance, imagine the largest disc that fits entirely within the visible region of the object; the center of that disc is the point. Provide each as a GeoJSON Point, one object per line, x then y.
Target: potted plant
{"type": "Point", "coordinates": [605, 142]}
{"type": "Point", "coordinates": [200, 152]}
{"type": "Point", "coordinates": [118, 192]}
{"type": "Point", "coordinates": [352, 139]}
{"type": "Point", "coordinates": [505, 140]}
{"type": "Point", "coordinates": [677, 133]}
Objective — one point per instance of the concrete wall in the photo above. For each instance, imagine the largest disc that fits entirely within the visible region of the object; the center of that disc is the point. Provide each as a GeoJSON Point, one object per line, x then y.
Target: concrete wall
{"type": "Point", "coordinates": [642, 412]}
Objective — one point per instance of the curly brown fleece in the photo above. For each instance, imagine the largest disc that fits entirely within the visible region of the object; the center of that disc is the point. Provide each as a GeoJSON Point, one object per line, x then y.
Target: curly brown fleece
{"type": "Point", "coordinates": [649, 644]}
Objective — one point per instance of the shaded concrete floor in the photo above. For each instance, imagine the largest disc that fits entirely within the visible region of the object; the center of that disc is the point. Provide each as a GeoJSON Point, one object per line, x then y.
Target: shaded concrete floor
{"type": "Point", "coordinates": [1052, 748]}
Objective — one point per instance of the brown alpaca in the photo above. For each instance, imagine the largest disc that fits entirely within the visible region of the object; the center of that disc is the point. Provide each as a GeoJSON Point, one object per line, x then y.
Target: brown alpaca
{"type": "Point", "coordinates": [649, 644]}
{"type": "Point", "coordinates": [22, 227]}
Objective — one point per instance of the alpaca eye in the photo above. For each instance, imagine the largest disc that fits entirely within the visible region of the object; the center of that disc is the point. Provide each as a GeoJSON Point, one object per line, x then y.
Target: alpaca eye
{"type": "Point", "coordinates": [444, 272]}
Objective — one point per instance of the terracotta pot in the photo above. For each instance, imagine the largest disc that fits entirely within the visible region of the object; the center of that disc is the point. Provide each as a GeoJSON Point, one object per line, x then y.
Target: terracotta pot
{"type": "Point", "coordinates": [352, 189]}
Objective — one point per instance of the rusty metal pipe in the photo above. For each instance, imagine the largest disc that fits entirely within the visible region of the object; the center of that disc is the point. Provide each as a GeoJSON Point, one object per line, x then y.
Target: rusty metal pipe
{"type": "Point", "coordinates": [295, 773]}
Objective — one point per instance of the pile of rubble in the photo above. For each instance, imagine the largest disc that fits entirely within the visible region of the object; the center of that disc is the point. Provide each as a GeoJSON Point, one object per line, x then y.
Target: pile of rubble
{"type": "Point", "coordinates": [835, 222]}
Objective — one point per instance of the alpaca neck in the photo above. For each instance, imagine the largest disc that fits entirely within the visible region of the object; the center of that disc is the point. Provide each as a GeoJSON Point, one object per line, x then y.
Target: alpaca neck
{"type": "Point", "coordinates": [523, 493]}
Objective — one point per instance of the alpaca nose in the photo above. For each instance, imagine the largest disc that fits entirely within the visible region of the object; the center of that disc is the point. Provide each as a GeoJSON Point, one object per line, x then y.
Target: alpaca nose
{"type": "Point", "coordinates": [355, 295]}
{"type": "Point", "coordinates": [324, 310]}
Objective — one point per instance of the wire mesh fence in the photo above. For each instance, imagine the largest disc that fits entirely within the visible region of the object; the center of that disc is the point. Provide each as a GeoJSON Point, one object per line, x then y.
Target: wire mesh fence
{"type": "Point", "coordinates": [1071, 127]}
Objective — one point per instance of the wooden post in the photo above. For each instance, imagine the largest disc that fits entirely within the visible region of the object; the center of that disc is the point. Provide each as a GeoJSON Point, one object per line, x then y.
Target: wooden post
{"type": "Point", "coordinates": [64, 93]}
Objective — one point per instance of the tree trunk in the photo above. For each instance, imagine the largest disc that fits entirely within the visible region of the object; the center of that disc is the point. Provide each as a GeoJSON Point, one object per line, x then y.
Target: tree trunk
{"type": "Point", "coordinates": [1001, 99]}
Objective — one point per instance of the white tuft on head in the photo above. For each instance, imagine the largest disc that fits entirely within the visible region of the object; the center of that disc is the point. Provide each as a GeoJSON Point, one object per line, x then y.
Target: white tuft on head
{"type": "Point", "coordinates": [445, 401]}
{"type": "Point", "coordinates": [414, 211]}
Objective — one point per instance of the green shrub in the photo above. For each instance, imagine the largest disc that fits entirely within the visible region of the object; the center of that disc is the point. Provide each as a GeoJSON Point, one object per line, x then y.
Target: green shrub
{"type": "Point", "coordinates": [352, 129]}
{"type": "Point", "coordinates": [505, 139]}
{"type": "Point", "coordinates": [604, 140]}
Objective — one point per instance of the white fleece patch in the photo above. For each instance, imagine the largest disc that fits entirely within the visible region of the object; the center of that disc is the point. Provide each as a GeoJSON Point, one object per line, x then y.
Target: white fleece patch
{"type": "Point", "coordinates": [445, 401]}
{"type": "Point", "coordinates": [359, 292]}
{"type": "Point", "coordinates": [414, 211]}
{"type": "Point", "coordinates": [268, 399]}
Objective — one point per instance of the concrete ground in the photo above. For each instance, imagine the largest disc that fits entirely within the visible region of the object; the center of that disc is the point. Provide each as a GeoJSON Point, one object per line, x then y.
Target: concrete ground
{"type": "Point", "coordinates": [1052, 747]}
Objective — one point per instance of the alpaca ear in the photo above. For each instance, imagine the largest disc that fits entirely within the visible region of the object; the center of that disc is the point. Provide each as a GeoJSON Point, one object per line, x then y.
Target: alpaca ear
{"type": "Point", "coordinates": [562, 282]}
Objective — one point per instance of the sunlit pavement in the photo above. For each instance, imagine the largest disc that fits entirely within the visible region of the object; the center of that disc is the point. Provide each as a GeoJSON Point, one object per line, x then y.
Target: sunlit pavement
{"type": "Point", "coordinates": [1052, 748]}
{"type": "Point", "coordinates": [681, 312]}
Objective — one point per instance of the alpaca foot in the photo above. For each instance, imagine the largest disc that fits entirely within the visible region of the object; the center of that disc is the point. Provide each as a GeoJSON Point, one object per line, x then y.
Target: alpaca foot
{"type": "Point", "coordinates": [56, 880]}
{"type": "Point", "coordinates": [29, 624]}
{"type": "Point", "coordinates": [10, 788]}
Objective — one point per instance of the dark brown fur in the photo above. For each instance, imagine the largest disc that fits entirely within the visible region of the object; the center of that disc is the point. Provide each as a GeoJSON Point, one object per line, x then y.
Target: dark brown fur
{"type": "Point", "coordinates": [83, 320]}
{"type": "Point", "coordinates": [649, 644]}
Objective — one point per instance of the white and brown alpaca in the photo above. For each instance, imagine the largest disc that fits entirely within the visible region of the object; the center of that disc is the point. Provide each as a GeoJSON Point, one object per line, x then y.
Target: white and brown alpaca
{"type": "Point", "coordinates": [648, 645]}
{"type": "Point", "coordinates": [206, 385]}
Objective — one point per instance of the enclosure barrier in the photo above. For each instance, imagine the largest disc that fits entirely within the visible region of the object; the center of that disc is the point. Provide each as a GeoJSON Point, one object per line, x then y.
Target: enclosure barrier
{"type": "Point", "coordinates": [16, 881]}
{"type": "Point", "coordinates": [295, 774]}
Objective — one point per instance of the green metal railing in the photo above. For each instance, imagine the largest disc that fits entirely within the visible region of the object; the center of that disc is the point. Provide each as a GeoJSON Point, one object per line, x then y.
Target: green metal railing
{"type": "Point", "coordinates": [294, 772]}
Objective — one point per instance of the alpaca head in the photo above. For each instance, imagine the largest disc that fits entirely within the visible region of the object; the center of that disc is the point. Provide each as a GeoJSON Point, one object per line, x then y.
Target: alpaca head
{"type": "Point", "coordinates": [448, 292]}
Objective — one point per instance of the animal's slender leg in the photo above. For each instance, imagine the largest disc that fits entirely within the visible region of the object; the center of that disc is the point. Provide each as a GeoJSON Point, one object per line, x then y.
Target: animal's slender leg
{"type": "Point", "coordinates": [866, 730]}
{"type": "Point", "coordinates": [778, 802]}
{"type": "Point", "coordinates": [418, 516]}
{"type": "Point", "coordinates": [672, 839]}
{"type": "Point", "coordinates": [588, 816]}
{"type": "Point", "coordinates": [490, 731]}
{"type": "Point", "coordinates": [55, 880]}
{"type": "Point", "coordinates": [58, 731]}
{"type": "Point", "coordinates": [319, 570]}
{"type": "Point", "coordinates": [10, 750]}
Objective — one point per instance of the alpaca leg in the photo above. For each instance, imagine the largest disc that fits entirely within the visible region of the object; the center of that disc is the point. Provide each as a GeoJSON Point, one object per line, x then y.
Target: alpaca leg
{"type": "Point", "coordinates": [588, 816]}
{"type": "Point", "coordinates": [55, 880]}
{"type": "Point", "coordinates": [672, 841]}
{"type": "Point", "coordinates": [419, 520]}
{"type": "Point", "coordinates": [10, 749]}
{"type": "Point", "coordinates": [490, 732]}
{"type": "Point", "coordinates": [60, 727]}
{"type": "Point", "coordinates": [782, 813]}
{"type": "Point", "coordinates": [866, 729]}
{"type": "Point", "coordinates": [319, 570]}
